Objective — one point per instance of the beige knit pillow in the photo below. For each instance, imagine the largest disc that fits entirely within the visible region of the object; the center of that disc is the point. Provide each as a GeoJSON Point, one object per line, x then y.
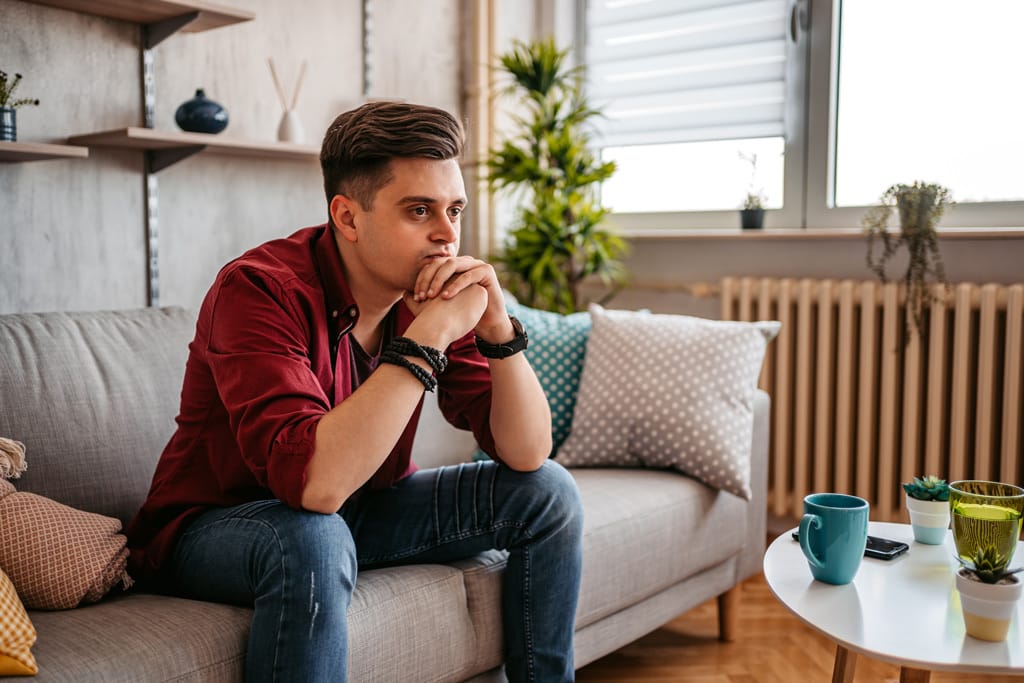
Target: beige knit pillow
{"type": "Point", "coordinates": [56, 556]}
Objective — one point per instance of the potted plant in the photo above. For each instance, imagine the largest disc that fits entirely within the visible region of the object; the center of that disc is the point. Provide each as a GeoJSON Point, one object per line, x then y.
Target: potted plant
{"type": "Point", "coordinates": [559, 237]}
{"type": "Point", "coordinates": [988, 594]}
{"type": "Point", "coordinates": [9, 106]}
{"type": "Point", "coordinates": [752, 209]}
{"type": "Point", "coordinates": [920, 206]}
{"type": "Point", "coordinates": [928, 504]}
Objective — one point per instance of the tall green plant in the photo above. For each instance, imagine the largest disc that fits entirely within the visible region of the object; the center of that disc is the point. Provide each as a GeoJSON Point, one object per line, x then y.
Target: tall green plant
{"type": "Point", "coordinates": [558, 238]}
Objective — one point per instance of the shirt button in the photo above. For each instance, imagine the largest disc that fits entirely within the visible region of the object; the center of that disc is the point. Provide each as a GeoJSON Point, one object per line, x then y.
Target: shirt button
{"type": "Point", "coordinates": [352, 312]}
{"type": "Point", "coordinates": [334, 313]}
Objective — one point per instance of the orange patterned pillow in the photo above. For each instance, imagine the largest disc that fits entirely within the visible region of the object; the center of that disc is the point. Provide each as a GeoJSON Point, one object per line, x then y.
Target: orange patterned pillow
{"type": "Point", "coordinates": [17, 634]}
{"type": "Point", "coordinates": [56, 556]}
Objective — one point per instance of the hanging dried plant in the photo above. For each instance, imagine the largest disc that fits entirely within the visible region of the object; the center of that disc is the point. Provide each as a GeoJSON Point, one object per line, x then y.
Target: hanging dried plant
{"type": "Point", "coordinates": [919, 207]}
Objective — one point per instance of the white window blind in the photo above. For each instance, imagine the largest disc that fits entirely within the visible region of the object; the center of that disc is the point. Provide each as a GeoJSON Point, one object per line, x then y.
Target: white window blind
{"type": "Point", "coordinates": [667, 71]}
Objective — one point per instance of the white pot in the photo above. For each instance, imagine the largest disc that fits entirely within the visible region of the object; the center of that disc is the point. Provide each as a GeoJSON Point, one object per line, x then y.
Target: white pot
{"type": "Point", "coordinates": [930, 519]}
{"type": "Point", "coordinates": [987, 607]}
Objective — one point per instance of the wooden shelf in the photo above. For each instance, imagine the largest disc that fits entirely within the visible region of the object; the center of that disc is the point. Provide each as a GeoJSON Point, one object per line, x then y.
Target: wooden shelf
{"type": "Point", "coordinates": [151, 12]}
{"type": "Point", "coordinates": [38, 151]}
{"type": "Point", "coordinates": [168, 147]}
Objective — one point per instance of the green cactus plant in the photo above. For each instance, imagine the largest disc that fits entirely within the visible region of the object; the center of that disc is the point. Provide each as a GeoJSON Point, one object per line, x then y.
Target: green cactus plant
{"type": "Point", "coordinates": [989, 565]}
{"type": "Point", "coordinates": [927, 488]}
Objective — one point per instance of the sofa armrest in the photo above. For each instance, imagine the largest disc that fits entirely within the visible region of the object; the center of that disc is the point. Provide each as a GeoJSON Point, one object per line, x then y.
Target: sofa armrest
{"type": "Point", "coordinates": [752, 556]}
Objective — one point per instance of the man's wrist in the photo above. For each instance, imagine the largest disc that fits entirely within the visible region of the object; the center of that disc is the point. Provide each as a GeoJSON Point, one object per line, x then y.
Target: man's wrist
{"type": "Point", "coordinates": [518, 342]}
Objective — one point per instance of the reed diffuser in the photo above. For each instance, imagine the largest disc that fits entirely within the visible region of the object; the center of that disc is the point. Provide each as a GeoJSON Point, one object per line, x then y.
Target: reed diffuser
{"type": "Point", "coordinates": [290, 128]}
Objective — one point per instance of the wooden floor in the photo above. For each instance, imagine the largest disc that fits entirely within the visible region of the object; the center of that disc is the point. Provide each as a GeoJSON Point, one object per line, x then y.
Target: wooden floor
{"type": "Point", "coordinates": [773, 647]}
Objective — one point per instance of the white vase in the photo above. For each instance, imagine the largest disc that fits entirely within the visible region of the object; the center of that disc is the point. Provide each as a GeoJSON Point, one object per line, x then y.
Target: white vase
{"type": "Point", "coordinates": [987, 607]}
{"type": "Point", "coordinates": [929, 519]}
{"type": "Point", "coordinates": [290, 129]}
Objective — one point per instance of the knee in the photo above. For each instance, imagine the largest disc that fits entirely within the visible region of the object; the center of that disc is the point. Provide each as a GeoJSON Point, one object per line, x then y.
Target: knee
{"type": "Point", "coordinates": [308, 543]}
{"type": "Point", "coordinates": [557, 488]}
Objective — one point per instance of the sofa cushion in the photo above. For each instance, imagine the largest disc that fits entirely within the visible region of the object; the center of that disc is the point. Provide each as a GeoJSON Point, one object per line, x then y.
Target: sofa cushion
{"type": "Point", "coordinates": [406, 623]}
{"type": "Point", "coordinates": [142, 638]}
{"type": "Point", "coordinates": [17, 635]}
{"type": "Point", "coordinates": [645, 530]}
{"type": "Point", "coordinates": [57, 556]}
{"type": "Point", "coordinates": [93, 397]}
{"type": "Point", "coordinates": [669, 391]}
{"type": "Point", "coordinates": [411, 623]}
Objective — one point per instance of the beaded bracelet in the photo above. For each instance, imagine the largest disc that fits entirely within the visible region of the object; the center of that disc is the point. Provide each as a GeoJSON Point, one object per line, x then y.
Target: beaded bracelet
{"type": "Point", "coordinates": [389, 356]}
{"type": "Point", "coordinates": [407, 347]}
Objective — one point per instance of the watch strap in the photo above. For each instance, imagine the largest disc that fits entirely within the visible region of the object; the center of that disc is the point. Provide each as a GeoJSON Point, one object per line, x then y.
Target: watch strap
{"type": "Point", "coordinates": [509, 348]}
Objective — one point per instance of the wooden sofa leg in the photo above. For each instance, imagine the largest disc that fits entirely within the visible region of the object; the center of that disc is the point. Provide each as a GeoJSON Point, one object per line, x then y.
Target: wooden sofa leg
{"type": "Point", "coordinates": [728, 614]}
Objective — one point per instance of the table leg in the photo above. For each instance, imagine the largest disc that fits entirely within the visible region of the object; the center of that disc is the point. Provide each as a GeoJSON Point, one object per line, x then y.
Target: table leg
{"type": "Point", "coordinates": [846, 664]}
{"type": "Point", "coordinates": [908, 675]}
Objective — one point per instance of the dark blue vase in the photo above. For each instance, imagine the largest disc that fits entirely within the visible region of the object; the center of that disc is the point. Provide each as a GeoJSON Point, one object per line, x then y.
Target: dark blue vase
{"type": "Point", "coordinates": [201, 115]}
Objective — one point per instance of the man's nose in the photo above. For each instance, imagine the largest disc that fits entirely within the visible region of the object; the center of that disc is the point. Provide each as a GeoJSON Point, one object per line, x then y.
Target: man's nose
{"type": "Point", "coordinates": [446, 231]}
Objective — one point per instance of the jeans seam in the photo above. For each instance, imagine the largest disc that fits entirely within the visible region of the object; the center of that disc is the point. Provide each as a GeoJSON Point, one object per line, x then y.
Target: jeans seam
{"type": "Point", "coordinates": [284, 578]}
{"type": "Point", "coordinates": [527, 621]}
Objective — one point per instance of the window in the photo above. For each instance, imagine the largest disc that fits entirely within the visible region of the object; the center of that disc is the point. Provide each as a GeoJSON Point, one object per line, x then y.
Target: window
{"type": "Point", "coordinates": [835, 100]}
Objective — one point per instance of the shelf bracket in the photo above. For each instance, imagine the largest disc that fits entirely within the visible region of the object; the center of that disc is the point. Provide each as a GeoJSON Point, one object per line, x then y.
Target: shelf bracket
{"type": "Point", "coordinates": [159, 159]}
{"type": "Point", "coordinates": [153, 34]}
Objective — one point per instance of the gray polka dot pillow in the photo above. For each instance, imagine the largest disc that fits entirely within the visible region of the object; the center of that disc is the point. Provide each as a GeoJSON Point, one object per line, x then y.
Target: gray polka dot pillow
{"type": "Point", "coordinates": [669, 391]}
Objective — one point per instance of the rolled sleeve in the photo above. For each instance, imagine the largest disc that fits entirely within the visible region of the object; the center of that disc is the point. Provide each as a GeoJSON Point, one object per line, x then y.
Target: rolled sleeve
{"type": "Point", "coordinates": [258, 355]}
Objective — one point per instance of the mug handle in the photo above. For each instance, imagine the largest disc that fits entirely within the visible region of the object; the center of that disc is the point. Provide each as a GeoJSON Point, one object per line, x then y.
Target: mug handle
{"type": "Point", "coordinates": [806, 523]}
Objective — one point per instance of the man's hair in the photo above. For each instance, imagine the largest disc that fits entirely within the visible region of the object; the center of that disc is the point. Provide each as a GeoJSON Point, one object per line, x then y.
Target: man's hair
{"type": "Point", "coordinates": [360, 144]}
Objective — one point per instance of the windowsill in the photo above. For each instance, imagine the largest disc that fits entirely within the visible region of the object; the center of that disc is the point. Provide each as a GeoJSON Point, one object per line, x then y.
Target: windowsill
{"type": "Point", "coordinates": [809, 234]}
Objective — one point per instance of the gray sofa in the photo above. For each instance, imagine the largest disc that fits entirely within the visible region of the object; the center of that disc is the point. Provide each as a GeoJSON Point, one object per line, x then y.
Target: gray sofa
{"type": "Point", "coordinates": [93, 396]}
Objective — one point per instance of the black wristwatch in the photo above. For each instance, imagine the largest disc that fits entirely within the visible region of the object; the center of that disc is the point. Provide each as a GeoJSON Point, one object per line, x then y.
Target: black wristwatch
{"type": "Point", "coordinates": [509, 348]}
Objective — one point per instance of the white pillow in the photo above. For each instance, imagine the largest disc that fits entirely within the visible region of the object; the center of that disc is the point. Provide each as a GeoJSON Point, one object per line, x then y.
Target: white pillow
{"type": "Point", "coordinates": [669, 391]}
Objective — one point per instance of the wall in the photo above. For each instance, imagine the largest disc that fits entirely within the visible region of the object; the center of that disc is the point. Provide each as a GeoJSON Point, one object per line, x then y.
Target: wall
{"type": "Point", "coordinates": [659, 266]}
{"type": "Point", "coordinates": [71, 232]}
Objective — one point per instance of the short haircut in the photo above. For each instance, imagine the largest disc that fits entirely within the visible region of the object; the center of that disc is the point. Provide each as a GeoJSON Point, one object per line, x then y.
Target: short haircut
{"type": "Point", "coordinates": [359, 145]}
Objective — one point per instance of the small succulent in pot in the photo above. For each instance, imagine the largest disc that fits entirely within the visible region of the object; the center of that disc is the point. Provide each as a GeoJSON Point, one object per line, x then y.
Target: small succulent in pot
{"type": "Point", "coordinates": [989, 565]}
{"type": "Point", "coordinates": [927, 488]}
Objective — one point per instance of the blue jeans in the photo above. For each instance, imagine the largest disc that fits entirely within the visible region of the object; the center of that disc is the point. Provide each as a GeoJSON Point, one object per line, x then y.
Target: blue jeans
{"type": "Point", "coordinates": [298, 569]}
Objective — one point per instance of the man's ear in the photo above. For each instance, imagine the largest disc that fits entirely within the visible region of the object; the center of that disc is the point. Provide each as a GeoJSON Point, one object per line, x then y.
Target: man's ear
{"type": "Point", "coordinates": [343, 213]}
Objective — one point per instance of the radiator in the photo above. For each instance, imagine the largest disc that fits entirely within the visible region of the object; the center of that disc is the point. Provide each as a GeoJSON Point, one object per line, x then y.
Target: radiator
{"type": "Point", "coordinates": [857, 408]}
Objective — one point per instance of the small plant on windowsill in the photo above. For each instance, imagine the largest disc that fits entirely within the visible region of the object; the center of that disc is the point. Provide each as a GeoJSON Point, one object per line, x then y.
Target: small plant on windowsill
{"type": "Point", "coordinates": [919, 207]}
{"type": "Point", "coordinates": [9, 106]}
{"type": "Point", "coordinates": [752, 209]}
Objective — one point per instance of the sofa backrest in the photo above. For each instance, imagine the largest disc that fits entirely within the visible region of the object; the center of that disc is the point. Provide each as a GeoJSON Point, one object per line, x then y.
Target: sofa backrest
{"type": "Point", "coordinates": [93, 397]}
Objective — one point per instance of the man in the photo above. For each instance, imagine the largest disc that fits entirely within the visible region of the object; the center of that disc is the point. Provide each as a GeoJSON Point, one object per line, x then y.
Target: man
{"type": "Point", "coordinates": [290, 468]}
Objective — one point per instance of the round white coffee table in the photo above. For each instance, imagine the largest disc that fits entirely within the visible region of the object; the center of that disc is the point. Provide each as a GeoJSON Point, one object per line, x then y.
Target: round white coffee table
{"type": "Point", "coordinates": [904, 611]}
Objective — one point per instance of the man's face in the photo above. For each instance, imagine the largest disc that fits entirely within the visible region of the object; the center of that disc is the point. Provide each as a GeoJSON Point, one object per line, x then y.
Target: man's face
{"type": "Point", "coordinates": [415, 218]}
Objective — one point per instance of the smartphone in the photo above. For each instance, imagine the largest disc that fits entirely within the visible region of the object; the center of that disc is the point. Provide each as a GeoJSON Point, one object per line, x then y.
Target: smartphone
{"type": "Point", "coordinates": [877, 547]}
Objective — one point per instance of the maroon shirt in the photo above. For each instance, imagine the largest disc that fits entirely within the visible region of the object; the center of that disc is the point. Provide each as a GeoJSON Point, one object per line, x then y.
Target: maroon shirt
{"type": "Point", "coordinates": [271, 355]}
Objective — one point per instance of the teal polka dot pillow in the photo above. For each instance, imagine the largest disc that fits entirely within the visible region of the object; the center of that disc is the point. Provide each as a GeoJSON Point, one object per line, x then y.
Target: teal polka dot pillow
{"type": "Point", "coordinates": [558, 344]}
{"type": "Point", "coordinates": [556, 349]}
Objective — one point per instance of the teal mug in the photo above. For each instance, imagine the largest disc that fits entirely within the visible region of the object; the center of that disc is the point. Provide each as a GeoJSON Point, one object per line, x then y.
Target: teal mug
{"type": "Point", "coordinates": [833, 535]}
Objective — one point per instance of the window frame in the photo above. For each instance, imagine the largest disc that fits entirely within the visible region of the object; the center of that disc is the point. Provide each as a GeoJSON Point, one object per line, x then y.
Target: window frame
{"type": "Point", "coordinates": [809, 172]}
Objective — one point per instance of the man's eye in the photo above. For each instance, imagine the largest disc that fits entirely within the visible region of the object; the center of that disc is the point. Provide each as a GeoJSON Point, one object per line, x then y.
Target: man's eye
{"type": "Point", "coordinates": [455, 211]}
{"type": "Point", "coordinates": [419, 210]}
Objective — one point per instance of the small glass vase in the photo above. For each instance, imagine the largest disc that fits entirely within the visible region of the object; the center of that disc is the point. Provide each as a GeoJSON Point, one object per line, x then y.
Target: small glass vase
{"type": "Point", "coordinates": [986, 515]}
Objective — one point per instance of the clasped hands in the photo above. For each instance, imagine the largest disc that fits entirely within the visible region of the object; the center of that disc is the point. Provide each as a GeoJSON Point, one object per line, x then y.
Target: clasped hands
{"type": "Point", "coordinates": [453, 295]}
